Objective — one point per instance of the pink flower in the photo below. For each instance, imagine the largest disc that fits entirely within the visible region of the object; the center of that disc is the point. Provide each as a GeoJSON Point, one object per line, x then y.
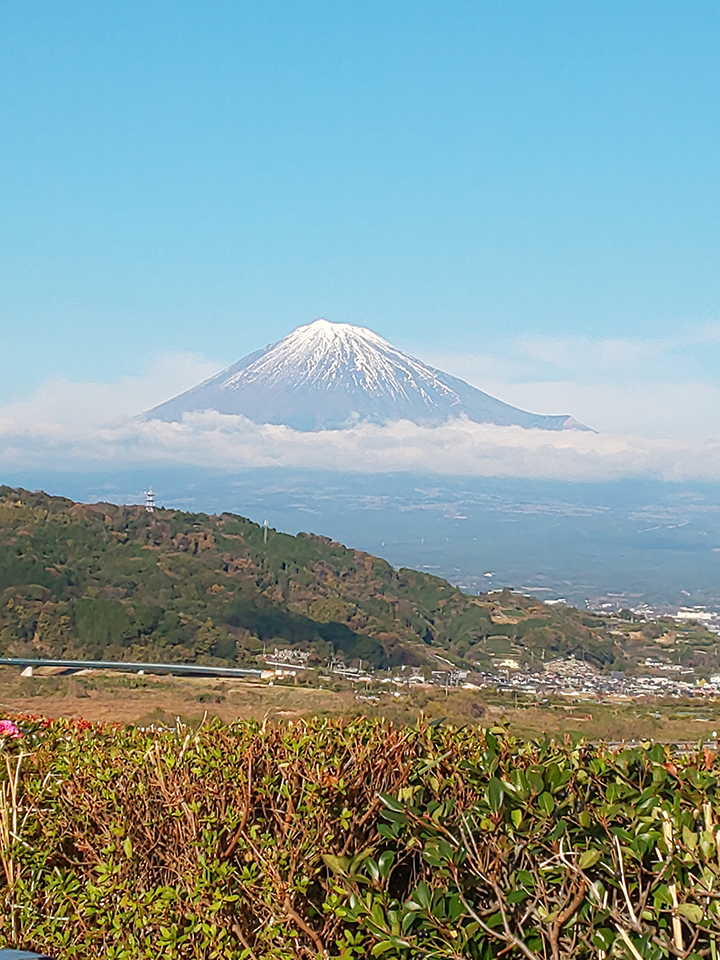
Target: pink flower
{"type": "Point", "coordinates": [9, 729]}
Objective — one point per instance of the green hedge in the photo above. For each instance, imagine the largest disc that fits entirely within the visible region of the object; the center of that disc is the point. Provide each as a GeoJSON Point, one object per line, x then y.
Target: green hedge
{"type": "Point", "coordinates": [351, 840]}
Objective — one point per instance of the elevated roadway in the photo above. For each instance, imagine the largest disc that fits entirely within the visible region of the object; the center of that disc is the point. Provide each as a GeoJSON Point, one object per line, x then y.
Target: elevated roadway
{"type": "Point", "coordinates": [174, 669]}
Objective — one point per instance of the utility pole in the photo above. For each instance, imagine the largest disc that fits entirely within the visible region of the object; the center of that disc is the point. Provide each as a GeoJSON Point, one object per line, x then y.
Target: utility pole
{"type": "Point", "coordinates": [265, 530]}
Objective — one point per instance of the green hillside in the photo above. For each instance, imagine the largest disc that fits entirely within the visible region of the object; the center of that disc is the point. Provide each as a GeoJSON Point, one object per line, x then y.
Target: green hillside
{"type": "Point", "coordinates": [107, 581]}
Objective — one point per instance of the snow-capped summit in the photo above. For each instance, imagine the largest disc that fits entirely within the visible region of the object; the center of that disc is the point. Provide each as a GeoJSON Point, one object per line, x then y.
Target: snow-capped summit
{"type": "Point", "coordinates": [332, 375]}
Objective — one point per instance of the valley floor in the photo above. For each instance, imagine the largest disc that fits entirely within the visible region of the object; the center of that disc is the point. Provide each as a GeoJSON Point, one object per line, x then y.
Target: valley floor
{"type": "Point", "coordinates": [146, 700]}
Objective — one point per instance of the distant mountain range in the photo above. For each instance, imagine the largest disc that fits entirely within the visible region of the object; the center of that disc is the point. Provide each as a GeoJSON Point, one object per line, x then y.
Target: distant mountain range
{"type": "Point", "coordinates": [334, 375]}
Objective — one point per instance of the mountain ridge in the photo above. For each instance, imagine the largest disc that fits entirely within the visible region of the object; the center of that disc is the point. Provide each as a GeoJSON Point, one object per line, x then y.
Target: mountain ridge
{"type": "Point", "coordinates": [333, 375]}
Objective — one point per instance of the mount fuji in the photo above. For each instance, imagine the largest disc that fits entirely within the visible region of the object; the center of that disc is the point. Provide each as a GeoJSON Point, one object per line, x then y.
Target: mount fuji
{"type": "Point", "coordinates": [328, 376]}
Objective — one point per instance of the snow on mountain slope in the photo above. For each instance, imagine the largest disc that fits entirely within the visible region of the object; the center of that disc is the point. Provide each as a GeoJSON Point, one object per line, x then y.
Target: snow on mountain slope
{"type": "Point", "coordinates": [332, 375]}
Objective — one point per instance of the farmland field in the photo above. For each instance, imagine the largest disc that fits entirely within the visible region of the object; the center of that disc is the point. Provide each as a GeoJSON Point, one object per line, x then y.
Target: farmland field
{"type": "Point", "coordinates": [144, 700]}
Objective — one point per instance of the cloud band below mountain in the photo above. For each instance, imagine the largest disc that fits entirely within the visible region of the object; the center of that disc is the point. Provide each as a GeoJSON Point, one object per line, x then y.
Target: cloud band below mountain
{"type": "Point", "coordinates": [460, 447]}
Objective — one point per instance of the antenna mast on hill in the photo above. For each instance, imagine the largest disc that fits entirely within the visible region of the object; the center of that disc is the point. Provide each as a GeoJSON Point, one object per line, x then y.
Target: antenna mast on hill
{"type": "Point", "coordinates": [150, 500]}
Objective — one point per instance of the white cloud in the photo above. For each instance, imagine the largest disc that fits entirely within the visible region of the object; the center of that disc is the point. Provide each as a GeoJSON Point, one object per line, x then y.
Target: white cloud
{"type": "Point", "coordinates": [460, 447]}
{"type": "Point", "coordinates": [661, 388]}
{"type": "Point", "coordinates": [688, 411]}
{"type": "Point", "coordinates": [63, 404]}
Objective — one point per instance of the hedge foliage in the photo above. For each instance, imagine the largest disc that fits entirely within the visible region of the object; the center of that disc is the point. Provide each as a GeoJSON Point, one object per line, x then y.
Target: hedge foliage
{"type": "Point", "coordinates": [324, 838]}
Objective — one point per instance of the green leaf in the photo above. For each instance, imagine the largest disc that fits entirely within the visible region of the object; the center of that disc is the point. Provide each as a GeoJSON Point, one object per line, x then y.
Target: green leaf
{"type": "Point", "coordinates": [691, 912]}
{"type": "Point", "coordinates": [421, 896]}
{"type": "Point", "coordinates": [535, 780]}
{"type": "Point", "coordinates": [380, 948]}
{"type": "Point", "coordinates": [388, 832]}
{"type": "Point", "coordinates": [521, 784]}
{"type": "Point", "coordinates": [661, 895]}
{"type": "Point", "coordinates": [546, 803]}
{"type": "Point", "coordinates": [358, 859]}
{"type": "Point", "coordinates": [557, 831]}
{"type": "Point", "coordinates": [496, 793]}
{"type": "Point", "coordinates": [338, 865]}
{"type": "Point", "coordinates": [372, 869]}
{"type": "Point", "coordinates": [377, 913]}
{"type": "Point", "coordinates": [588, 859]}
{"type": "Point", "coordinates": [516, 896]}
{"type": "Point", "coordinates": [385, 863]}
{"type": "Point", "coordinates": [393, 943]}
{"type": "Point", "coordinates": [603, 938]}
{"type": "Point", "coordinates": [391, 803]}
{"type": "Point", "coordinates": [690, 838]}
{"type": "Point", "coordinates": [128, 847]}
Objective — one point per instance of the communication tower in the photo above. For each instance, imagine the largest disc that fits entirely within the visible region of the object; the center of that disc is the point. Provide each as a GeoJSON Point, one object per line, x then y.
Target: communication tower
{"type": "Point", "coordinates": [150, 500]}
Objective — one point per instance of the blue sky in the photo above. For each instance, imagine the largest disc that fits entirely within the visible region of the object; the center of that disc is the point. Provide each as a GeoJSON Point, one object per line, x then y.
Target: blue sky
{"type": "Point", "coordinates": [206, 176]}
{"type": "Point", "coordinates": [526, 194]}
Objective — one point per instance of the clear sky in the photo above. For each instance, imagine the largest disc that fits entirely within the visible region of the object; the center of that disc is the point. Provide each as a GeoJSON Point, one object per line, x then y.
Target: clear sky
{"type": "Point", "coordinates": [206, 176]}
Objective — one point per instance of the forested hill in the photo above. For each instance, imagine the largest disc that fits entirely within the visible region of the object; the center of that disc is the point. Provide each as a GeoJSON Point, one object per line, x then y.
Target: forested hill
{"type": "Point", "coordinates": [106, 581]}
